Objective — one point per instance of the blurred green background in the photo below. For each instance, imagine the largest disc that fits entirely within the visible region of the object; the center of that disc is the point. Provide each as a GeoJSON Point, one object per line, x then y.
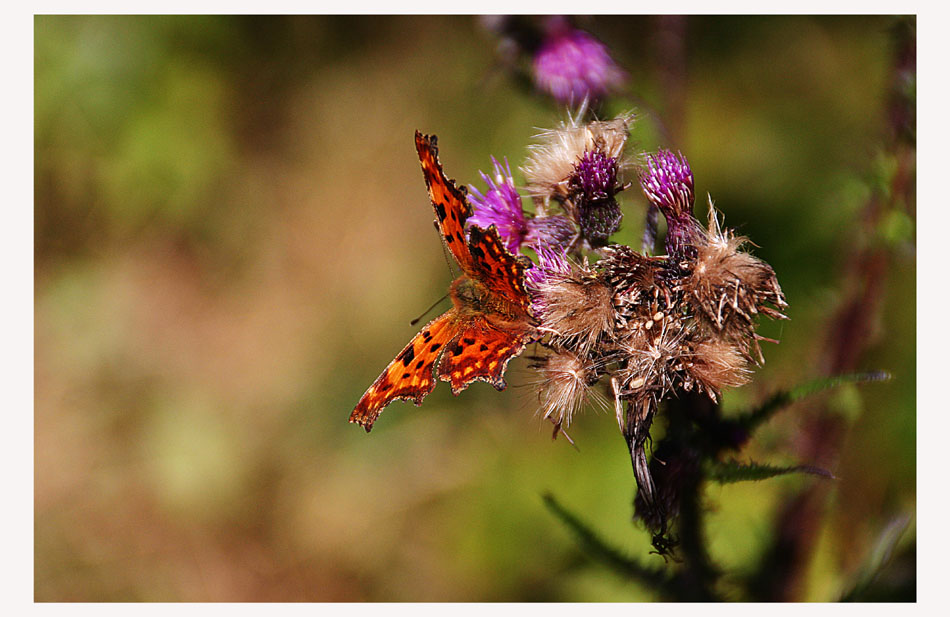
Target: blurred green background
{"type": "Point", "coordinates": [232, 234]}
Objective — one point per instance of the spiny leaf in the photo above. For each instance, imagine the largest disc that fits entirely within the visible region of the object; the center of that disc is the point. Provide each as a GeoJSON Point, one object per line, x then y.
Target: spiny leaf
{"type": "Point", "coordinates": [734, 471]}
{"type": "Point", "coordinates": [601, 551]}
{"type": "Point", "coordinates": [753, 418]}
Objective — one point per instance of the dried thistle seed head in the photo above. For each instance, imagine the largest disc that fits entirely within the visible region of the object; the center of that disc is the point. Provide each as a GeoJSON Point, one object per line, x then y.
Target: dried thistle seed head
{"type": "Point", "coordinates": [714, 364]}
{"type": "Point", "coordinates": [728, 288]}
{"type": "Point", "coordinates": [624, 268]}
{"type": "Point", "coordinates": [575, 305]}
{"type": "Point", "coordinates": [642, 294]}
{"type": "Point", "coordinates": [566, 385]}
{"type": "Point", "coordinates": [654, 354]}
{"type": "Point", "coordinates": [551, 163]}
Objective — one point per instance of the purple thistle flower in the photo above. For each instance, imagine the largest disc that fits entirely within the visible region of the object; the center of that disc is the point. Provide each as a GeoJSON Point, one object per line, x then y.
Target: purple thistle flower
{"type": "Point", "coordinates": [595, 176]}
{"type": "Point", "coordinates": [500, 206]}
{"type": "Point", "coordinates": [572, 65]}
{"type": "Point", "coordinates": [551, 263]}
{"type": "Point", "coordinates": [552, 266]}
{"type": "Point", "coordinates": [668, 184]}
{"type": "Point", "coordinates": [668, 181]}
{"type": "Point", "coordinates": [593, 187]}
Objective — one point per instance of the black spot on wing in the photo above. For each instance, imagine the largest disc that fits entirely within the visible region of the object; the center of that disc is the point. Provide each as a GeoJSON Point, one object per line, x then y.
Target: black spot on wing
{"type": "Point", "coordinates": [407, 356]}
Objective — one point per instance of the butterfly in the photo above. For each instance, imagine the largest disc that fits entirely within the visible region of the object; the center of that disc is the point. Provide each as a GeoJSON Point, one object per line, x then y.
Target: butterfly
{"type": "Point", "coordinates": [490, 321]}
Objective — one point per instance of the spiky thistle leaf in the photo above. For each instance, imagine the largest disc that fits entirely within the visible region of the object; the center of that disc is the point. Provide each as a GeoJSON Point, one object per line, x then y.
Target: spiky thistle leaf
{"type": "Point", "coordinates": [751, 419]}
{"type": "Point", "coordinates": [599, 550]}
{"type": "Point", "coordinates": [734, 471]}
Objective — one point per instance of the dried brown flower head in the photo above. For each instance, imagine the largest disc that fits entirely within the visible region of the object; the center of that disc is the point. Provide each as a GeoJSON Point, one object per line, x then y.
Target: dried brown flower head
{"type": "Point", "coordinates": [577, 307]}
{"type": "Point", "coordinates": [653, 353]}
{"type": "Point", "coordinates": [728, 288]}
{"type": "Point", "coordinates": [565, 385]}
{"type": "Point", "coordinates": [713, 364]}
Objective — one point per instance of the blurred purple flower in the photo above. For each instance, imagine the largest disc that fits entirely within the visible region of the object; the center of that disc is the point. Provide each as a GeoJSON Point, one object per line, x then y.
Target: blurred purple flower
{"type": "Point", "coordinates": [572, 65]}
{"type": "Point", "coordinates": [500, 206]}
{"type": "Point", "coordinates": [667, 182]}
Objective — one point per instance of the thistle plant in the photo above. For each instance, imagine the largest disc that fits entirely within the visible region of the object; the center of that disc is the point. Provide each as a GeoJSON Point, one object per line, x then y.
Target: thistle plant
{"type": "Point", "coordinates": [619, 328]}
{"type": "Point", "coordinates": [642, 335]}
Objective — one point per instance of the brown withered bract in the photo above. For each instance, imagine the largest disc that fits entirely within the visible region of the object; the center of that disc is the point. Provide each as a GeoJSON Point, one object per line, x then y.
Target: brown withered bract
{"type": "Point", "coordinates": [565, 384]}
{"type": "Point", "coordinates": [577, 307]}
{"type": "Point", "coordinates": [729, 288]}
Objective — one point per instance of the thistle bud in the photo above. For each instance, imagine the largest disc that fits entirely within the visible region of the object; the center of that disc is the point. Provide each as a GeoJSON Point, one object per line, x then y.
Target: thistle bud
{"type": "Point", "coordinates": [592, 188]}
{"type": "Point", "coordinates": [667, 181]}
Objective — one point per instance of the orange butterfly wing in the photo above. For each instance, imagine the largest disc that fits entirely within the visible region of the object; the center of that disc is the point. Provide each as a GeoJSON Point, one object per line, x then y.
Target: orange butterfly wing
{"type": "Point", "coordinates": [410, 375]}
{"type": "Point", "coordinates": [497, 269]}
{"type": "Point", "coordinates": [480, 351]}
{"type": "Point", "coordinates": [484, 257]}
{"type": "Point", "coordinates": [448, 200]}
{"type": "Point", "coordinates": [471, 345]}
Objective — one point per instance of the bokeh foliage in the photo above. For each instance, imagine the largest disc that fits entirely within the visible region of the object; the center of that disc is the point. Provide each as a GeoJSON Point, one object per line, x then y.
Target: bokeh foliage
{"type": "Point", "coordinates": [232, 235]}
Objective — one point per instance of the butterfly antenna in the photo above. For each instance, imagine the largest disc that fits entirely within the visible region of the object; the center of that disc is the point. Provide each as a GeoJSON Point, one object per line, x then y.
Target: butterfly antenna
{"type": "Point", "coordinates": [445, 254]}
{"type": "Point", "coordinates": [419, 318]}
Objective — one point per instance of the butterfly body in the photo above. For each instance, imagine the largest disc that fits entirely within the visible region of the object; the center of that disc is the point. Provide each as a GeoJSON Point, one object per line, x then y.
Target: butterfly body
{"type": "Point", "coordinates": [470, 297]}
{"type": "Point", "coordinates": [489, 323]}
